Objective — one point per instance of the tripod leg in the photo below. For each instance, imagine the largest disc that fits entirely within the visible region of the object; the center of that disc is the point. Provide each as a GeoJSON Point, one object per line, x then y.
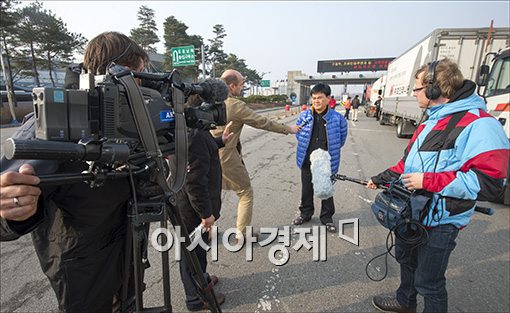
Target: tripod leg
{"type": "Point", "coordinates": [196, 270]}
{"type": "Point", "coordinates": [166, 272]}
{"type": "Point", "coordinates": [126, 300]}
{"type": "Point", "coordinates": [137, 257]}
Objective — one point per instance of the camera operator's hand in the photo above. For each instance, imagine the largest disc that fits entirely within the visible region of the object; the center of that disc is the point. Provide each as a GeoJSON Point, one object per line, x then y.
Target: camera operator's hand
{"type": "Point", "coordinates": [19, 194]}
{"type": "Point", "coordinates": [371, 185]}
{"type": "Point", "coordinates": [208, 222]}
{"type": "Point", "coordinates": [413, 181]}
{"type": "Point", "coordinates": [294, 129]}
{"type": "Point", "coordinates": [225, 137]}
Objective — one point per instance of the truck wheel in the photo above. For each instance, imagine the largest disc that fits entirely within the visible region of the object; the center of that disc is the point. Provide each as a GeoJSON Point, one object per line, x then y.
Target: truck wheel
{"type": "Point", "coordinates": [381, 119]}
{"type": "Point", "coordinates": [400, 128]}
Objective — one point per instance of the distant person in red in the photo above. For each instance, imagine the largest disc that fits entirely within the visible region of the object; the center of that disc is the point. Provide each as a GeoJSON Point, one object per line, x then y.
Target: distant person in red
{"type": "Point", "coordinates": [332, 102]}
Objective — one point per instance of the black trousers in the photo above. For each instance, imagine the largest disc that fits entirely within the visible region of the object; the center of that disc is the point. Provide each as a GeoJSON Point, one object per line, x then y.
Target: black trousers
{"type": "Point", "coordinates": [193, 299]}
{"type": "Point", "coordinates": [306, 208]}
{"type": "Point", "coordinates": [346, 115]}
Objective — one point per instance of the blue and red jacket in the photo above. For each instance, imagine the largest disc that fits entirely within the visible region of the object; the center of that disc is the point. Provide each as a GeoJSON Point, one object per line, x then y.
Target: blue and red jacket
{"type": "Point", "coordinates": [472, 163]}
{"type": "Point", "coordinates": [336, 128]}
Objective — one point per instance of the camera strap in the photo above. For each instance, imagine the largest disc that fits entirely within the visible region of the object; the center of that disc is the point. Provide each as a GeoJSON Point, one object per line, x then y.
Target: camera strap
{"type": "Point", "coordinates": [181, 140]}
{"type": "Point", "coordinates": [148, 136]}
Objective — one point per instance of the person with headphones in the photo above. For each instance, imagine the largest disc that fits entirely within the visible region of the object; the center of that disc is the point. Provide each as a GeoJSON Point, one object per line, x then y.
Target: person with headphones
{"type": "Point", "coordinates": [459, 155]}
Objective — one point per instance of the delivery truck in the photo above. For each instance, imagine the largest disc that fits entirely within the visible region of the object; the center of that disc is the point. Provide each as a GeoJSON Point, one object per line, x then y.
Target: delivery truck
{"type": "Point", "coordinates": [468, 47]}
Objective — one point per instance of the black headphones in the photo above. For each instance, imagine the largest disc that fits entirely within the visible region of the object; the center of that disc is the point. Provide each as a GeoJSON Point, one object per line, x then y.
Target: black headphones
{"type": "Point", "coordinates": [432, 92]}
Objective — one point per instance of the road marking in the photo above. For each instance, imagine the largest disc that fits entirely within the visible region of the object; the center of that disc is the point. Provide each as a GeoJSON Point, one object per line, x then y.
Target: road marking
{"type": "Point", "coordinates": [270, 295]}
{"type": "Point", "coordinates": [375, 130]}
{"type": "Point", "coordinates": [352, 122]}
{"type": "Point", "coordinates": [366, 200]}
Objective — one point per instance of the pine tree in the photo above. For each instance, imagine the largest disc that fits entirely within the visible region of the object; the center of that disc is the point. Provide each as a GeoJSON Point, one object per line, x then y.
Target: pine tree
{"type": "Point", "coordinates": [145, 35]}
{"type": "Point", "coordinates": [234, 62]}
{"type": "Point", "coordinates": [215, 53]}
{"type": "Point", "coordinates": [9, 17]}
{"type": "Point", "coordinates": [28, 34]}
{"type": "Point", "coordinates": [57, 43]}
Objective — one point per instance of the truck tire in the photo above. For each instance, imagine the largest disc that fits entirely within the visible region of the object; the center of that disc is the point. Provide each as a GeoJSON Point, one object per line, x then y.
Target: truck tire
{"type": "Point", "coordinates": [381, 119]}
{"type": "Point", "coordinates": [506, 197]}
{"type": "Point", "coordinates": [400, 128]}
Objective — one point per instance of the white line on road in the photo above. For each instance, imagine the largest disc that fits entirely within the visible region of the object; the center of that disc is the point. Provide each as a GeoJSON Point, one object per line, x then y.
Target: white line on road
{"type": "Point", "coordinates": [375, 130]}
{"type": "Point", "coordinates": [270, 294]}
{"type": "Point", "coordinates": [366, 200]}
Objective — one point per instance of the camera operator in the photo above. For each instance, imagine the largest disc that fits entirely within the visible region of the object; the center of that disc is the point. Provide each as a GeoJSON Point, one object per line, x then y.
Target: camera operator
{"type": "Point", "coordinates": [78, 232]}
{"type": "Point", "coordinates": [460, 154]}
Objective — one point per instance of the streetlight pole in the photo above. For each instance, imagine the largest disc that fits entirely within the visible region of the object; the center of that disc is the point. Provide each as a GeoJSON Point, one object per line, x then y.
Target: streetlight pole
{"type": "Point", "coordinates": [203, 60]}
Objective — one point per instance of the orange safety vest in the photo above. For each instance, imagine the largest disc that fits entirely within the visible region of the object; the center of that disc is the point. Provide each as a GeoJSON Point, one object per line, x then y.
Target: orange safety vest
{"type": "Point", "coordinates": [348, 104]}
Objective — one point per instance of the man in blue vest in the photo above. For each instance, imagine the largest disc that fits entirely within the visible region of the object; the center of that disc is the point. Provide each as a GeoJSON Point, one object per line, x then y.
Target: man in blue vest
{"type": "Point", "coordinates": [322, 128]}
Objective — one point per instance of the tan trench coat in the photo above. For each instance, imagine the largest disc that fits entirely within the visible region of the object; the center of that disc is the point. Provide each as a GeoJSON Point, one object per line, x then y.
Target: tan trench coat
{"type": "Point", "coordinates": [235, 175]}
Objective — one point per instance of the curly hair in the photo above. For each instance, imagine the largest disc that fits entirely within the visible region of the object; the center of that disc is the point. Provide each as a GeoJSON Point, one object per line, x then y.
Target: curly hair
{"type": "Point", "coordinates": [447, 77]}
{"type": "Point", "coordinates": [111, 47]}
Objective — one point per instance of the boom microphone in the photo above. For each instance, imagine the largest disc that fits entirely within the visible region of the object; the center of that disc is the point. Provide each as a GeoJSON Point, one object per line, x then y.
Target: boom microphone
{"type": "Point", "coordinates": [321, 174]}
{"type": "Point", "coordinates": [211, 90]}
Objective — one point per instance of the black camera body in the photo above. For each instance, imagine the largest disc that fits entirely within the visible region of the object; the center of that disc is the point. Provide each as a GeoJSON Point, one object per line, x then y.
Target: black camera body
{"type": "Point", "coordinates": [96, 122]}
{"type": "Point", "coordinates": [74, 115]}
{"type": "Point", "coordinates": [103, 112]}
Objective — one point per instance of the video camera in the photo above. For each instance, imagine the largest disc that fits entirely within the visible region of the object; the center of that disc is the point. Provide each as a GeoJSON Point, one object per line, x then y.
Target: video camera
{"type": "Point", "coordinates": [126, 131]}
{"type": "Point", "coordinates": [99, 116]}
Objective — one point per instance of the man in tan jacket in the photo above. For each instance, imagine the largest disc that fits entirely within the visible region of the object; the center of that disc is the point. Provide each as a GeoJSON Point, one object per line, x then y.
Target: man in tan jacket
{"type": "Point", "coordinates": [235, 175]}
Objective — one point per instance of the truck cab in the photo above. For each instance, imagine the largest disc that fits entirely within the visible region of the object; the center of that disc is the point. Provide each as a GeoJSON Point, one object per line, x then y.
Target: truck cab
{"type": "Point", "coordinates": [496, 80]}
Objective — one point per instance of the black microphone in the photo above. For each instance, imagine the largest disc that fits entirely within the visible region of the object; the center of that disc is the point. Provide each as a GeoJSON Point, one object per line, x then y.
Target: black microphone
{"type": "Point", "coordinates": [484, 210]}
{"type": "Point", "coordinates": [211, 90]}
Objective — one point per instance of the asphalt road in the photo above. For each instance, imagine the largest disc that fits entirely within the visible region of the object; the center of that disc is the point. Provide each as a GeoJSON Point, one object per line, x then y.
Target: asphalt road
{"type": "Point", "coordinates": [477, 279]}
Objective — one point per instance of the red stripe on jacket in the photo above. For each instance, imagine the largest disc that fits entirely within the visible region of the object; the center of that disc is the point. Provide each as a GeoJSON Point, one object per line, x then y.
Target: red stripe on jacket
{"type": "Point", "coordinates": [493, 163]}
{"type": "Point", "coordinates": [467, 119]}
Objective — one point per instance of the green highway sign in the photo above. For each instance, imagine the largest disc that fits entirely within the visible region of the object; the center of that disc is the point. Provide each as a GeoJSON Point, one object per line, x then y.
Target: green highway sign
{"type": "Point", "coordinates": [183, 56]}
{"type": "Point", "coordinates": [265, 83]}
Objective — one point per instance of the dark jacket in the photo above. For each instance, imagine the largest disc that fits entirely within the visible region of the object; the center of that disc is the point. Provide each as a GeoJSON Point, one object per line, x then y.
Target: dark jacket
{"type": "Point", "coordinates": [78, 233]}
{"type": "Point", "coordinates": [201, 195]}
{"type": "Point", "coordinates": [355, 103]}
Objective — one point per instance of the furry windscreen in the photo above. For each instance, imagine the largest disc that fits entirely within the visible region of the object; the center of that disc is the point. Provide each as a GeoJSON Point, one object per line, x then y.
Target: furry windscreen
{"type": "Point", "coordinates": [321, 174]}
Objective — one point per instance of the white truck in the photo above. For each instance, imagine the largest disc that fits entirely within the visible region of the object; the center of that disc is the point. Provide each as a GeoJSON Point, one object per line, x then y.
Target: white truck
{"type": "Point", "coordinates": [496, 80]}
{"type": "Point", "coordinates": [468, 47]}
{"type": "Point", "coordinates": [376, 91]}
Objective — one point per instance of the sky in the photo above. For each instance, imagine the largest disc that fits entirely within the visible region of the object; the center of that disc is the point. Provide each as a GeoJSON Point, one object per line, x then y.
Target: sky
{"type": "Point", "coordinates": [277, 36]}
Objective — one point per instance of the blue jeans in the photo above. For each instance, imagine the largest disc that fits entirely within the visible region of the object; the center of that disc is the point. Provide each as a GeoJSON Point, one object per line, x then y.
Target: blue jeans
{"type": "Point", "coordinates": [422, 269]}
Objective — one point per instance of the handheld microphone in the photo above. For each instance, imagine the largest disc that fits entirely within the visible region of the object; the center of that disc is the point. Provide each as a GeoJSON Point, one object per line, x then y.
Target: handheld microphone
{"type": "Point", "coordinates": [321, 174]}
